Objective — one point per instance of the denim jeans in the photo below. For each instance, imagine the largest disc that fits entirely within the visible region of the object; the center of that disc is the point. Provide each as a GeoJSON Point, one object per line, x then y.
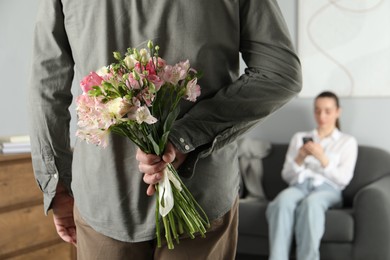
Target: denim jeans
{"type": "Point", "coordinates": [300, 209]}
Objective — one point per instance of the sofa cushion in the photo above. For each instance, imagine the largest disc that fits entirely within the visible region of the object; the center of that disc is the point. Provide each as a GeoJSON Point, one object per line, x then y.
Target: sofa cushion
{"type": "Point", "coordinates": [252, 219]}
{"type": "Point", "coordinates": [272, 171]}
{"type": "Point", "coordinates": [372, 164]}
{"type": "Point", "coordinates": [339, 225]}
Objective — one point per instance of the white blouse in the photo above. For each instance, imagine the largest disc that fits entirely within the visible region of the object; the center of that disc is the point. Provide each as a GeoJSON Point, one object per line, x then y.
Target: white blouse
{"type": "Point", "coordinates": [341, 150]}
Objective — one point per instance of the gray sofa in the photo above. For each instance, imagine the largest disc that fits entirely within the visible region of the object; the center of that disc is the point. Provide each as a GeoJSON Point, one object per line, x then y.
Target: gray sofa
{"type": "Point", "coordinates": [359, 230]}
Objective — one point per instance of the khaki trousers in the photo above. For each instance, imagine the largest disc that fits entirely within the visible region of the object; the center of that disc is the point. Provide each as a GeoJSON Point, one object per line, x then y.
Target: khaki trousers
{"type": "Point", "coordinates": [219, 244]}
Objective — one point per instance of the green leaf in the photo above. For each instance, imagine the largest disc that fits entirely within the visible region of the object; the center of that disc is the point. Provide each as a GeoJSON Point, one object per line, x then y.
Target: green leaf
{"type": "Point", "coordinates": [171, 118]}
{"type": "Point", "coordinates": [163, 140]}
{"type": "Point", "coordinates": [95, 91]}
{"type": "Point", "coordinates": [156, 148]}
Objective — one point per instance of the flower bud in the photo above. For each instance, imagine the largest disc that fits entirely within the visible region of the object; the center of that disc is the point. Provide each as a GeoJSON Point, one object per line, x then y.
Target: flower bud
{"type": "Point", "coordinates": [135, 75]}
{"type": "Point", "coordinates": [150, 44]}
{"type": "Point", "coordinates": [117, 55]}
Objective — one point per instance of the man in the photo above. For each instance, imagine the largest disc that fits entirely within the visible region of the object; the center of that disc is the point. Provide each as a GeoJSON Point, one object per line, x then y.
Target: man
{"type": "Point", "coordinates": [113, 213]}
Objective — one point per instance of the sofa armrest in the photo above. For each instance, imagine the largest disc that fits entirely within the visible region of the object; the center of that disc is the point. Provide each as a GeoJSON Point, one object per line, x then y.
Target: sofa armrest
{"type": "Point", "coordinates": [372, 221]}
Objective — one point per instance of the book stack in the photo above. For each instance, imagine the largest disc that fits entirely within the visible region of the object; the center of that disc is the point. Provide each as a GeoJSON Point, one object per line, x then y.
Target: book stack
{"type": "Point", "coordinates": [15, 144]}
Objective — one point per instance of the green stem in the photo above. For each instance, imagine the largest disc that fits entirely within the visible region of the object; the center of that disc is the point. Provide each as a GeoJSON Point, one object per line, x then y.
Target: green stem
{"type": "Point", "coordinates": [158, 232]}
{"type": "Point", "coordinates": [172, 222]}
{"type": "Point", "coordinates": [168, 235]}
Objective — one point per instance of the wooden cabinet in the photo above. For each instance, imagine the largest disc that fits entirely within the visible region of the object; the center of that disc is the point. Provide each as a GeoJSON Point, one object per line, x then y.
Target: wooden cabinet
{"type": "Point", "coordinates": [25, 231]}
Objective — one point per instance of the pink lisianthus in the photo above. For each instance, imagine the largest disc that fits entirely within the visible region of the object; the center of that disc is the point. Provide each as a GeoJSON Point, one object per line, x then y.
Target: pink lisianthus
{"type": "Point", "coordinates": [89, 81]}
{"type": "Point", "coordinates": [138, 68]}
{"type": "Point", "coordinates": [156, 80]}
{"type": "Point", "coordinates": [160, 62]}
{"type": "Point", "coordinates": [192, 90]}
{"type": "Point", "coordinates": [132, 83]}
{"type": "Point", "coordinates": [150, 67]}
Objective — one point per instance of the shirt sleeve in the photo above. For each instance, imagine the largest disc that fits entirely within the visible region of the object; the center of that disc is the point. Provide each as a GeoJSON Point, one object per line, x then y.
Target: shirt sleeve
{"type": "Point", "coordinates": [341, 167]}
{"type": "Point", "coordinates": [292, 172]}
{"type": "Point", "coordinates": [271, 79]}
{"type": "Point", "coordinates": [50, 97]}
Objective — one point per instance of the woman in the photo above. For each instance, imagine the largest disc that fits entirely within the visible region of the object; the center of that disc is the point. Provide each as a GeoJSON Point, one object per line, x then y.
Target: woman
{"type": "Point", "coordinates": [318, 166]}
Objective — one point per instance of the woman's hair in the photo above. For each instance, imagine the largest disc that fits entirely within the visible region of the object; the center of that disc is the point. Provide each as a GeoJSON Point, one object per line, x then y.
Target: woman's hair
{"type": "Point", "coordinates": [329, 94]}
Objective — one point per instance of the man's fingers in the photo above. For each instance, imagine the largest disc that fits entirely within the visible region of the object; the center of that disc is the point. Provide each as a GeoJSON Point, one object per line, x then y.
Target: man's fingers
{"type": "Point", "coordinates": [151, 190]}
{"type": "Point", "coordinates": [170, 153]}
{"type": "Point", "coordinates": [66, 233]}
{"type": "Point", "coordinates": [146, 158]}
{"type": "Point", "coordinates": [69, 237]}
{"type": "Point", "coordinates": [153, 178]}
{"type": "Point", "coordinates": [151, 169]}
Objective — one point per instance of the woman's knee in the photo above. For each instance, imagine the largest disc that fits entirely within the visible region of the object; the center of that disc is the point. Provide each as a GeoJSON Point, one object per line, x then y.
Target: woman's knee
{"type": "Point", "coordinates": [286, 200]}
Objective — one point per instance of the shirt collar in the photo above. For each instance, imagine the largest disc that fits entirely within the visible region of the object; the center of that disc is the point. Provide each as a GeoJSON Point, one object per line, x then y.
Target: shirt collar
{"type": "Point", "coordinates": [334, 135]}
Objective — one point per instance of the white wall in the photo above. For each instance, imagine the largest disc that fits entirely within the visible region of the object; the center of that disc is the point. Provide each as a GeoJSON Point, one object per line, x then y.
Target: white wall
{"type": "Point", "coordinates": [366, 119]}
{"type": "Point", "coordinates": [16, 28]}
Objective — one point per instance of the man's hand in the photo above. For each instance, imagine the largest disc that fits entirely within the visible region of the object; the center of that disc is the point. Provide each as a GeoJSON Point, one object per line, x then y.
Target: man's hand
{"type": "Point", "coordinates": [152, 166]}
{"type": "Point", "coordinates": [62, 207]}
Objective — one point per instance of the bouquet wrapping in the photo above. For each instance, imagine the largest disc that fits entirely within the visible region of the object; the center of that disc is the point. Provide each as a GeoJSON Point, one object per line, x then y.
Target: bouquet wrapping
{"type": "Point", "coordinates": [137, 97]}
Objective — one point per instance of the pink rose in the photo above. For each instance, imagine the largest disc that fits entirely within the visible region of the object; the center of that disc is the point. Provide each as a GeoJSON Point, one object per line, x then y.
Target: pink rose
{"type": "Point", "coordinates": [89, 81]}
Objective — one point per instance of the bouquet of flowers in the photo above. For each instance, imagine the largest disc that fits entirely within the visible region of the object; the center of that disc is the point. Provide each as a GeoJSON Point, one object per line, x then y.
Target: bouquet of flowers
{"type": "Point", "coordinates": [137, 97]}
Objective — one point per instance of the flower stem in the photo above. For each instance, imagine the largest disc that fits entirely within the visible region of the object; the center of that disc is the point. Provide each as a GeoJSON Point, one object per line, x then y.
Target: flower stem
{"type": "Point", "coordinates": [158, 232]}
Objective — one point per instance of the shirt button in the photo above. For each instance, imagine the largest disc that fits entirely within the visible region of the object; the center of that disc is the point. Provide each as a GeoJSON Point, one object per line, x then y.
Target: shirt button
{"type": "Point", "coordinates": [182, 140]}
{"type": "Point", "coordinates": [55, 175]}
{"type": "Point", "coordinates": [187, 147]}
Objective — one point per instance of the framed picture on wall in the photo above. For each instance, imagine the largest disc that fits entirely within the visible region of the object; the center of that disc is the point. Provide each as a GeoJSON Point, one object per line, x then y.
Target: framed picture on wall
{"type": "Point", "coordinates": [344, 46]}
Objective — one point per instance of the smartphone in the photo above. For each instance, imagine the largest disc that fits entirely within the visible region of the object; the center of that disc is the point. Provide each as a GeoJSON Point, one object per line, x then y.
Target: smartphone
{"type": "Point", "coordinates": [307, 139]}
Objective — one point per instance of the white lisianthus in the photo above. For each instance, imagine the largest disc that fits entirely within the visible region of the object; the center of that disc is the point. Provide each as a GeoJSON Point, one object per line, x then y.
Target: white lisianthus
{"type": "Point", "coordinates": [130, 61]}
{"type": "Point", "coordinates": [118, 107]}
{"type": "Point", "coordinates": [103, 71]}
{"type": "Point", "coordinates": [145, 56]}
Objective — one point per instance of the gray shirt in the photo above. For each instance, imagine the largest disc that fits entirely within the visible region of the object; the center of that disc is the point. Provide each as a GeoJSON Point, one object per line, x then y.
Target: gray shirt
{"type": "Point", "coordinates": [73, 38]}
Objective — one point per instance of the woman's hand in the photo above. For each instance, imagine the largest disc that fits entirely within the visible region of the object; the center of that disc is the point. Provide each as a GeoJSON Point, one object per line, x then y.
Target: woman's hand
{"type": "Point", "coordinates": [152, 166]}
{"type": "Point", "coordinates": [302, 153]}
{"type": "Point", "coordinates": [316, 150]}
